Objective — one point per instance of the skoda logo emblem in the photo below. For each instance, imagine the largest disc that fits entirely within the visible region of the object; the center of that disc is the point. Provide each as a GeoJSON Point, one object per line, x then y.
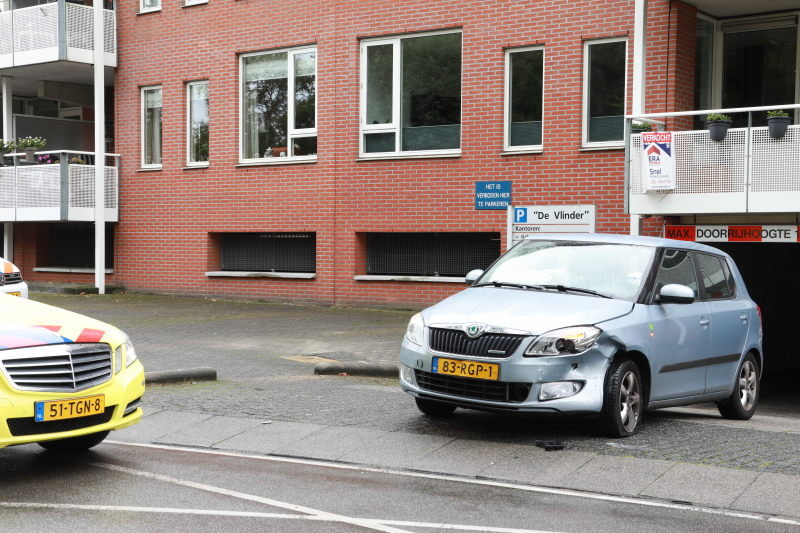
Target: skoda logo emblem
{"type": "Point", "coordinates": [474, 330]}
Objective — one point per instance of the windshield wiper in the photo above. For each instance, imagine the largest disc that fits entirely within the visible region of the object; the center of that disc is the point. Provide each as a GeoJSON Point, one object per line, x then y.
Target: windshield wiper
{"type": "Point", "coordinates": [562, 288]}
{"type": "Point", "coordinates": [499, 284]}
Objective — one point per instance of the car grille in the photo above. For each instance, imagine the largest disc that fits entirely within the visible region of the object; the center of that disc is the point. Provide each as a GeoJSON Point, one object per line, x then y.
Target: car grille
{"type": "Point", "coordinates": [58, 367]}
{"type": "Point", "coordinates": [21, 427]}
{"type": "Point", "coordinates": [478, 389]}
{"type": "Point", "coordinates": [456, 342]}
{"type": "Point", "coordinates": [10, 279]}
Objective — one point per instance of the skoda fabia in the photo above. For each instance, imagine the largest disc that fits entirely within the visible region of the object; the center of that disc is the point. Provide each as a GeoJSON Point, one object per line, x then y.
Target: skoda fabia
{"type": "Point", "coordinates": [594, 325]}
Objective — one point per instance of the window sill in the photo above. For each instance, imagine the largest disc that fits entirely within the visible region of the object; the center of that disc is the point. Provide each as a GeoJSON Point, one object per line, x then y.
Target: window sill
{"type": "Point", "coordinates": [280, 161]}
{"type": "Point", "coordinates": [415, 156]}
{"type": "Point", "coordinates": [427, 279]}
{"type": "Point", "coordinates": [148, 169]}
{"type": "Point", "coordinates": [533, 151]}
{"type": "Point", "coordinates": [148, 12]}
{"type": "Point", "coordinates": [70, 270]}
{"type": "Point", "coordinates": [194, 4]}
{"type": "Point", "coordinates": [586, 148]}
{"type": "Point", "coordinates": [195, 167]}
{"type": "Point", "coordinates": [241, 274]}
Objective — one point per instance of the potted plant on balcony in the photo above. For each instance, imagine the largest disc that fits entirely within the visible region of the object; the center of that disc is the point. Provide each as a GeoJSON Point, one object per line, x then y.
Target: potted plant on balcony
{"type": "Point", "coordinates": [640, 127]}
{"type": "Point", "coordinates": [778, 121]}
{"type": "Point", "coordinates": [718, 126]}
{"type": "Point", "coordinates": [6, 147]}
{"type": "Point", "coordinates": [30, 145]}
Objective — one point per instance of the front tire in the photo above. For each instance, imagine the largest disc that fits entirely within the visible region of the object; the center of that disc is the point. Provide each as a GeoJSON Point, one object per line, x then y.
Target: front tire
{"type": "Point", "coordinates": [743, 401]}
{"type": "Point", "coordinates": [623, 401]}
{"type": "Point", "coordinates": [434, 408]}
{"type": "Point", "coordinates": [75, 444]}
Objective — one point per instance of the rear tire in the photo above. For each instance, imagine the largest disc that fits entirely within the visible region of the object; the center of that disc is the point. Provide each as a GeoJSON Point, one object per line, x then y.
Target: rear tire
{"type": "Point", "coordinates": [434, 408]}
{"type": "Point", "coordinates": [75, 444]}
{"type": "Point", "coordinates": [623, 401]}
{"type": "Point", "coordinates": [746, 390]}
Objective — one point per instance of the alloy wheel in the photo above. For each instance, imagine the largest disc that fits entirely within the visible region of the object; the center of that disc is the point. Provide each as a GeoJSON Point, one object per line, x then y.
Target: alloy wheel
{"type": "Point", "coordinates": [748, 381]}
{"type": "Point", "coordinates": [630, 401]}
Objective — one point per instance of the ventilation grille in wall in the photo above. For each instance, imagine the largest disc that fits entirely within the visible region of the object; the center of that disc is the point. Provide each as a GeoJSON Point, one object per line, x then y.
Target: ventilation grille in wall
{"type": "Point", "coordinates": [269, 252]}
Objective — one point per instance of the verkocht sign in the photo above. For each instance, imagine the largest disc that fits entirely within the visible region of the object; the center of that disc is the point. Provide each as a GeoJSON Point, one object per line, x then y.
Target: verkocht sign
{"type": "Point", "coordinates": [524, 221]}
{"type": "Point", "coordinates": [658, 161]}
{"type": "Point", "coordinates": [733, 233]}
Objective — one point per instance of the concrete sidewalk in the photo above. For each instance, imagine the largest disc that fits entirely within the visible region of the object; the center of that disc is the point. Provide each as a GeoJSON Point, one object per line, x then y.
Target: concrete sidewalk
{"type": "Point", "coordinates": [728, 488]}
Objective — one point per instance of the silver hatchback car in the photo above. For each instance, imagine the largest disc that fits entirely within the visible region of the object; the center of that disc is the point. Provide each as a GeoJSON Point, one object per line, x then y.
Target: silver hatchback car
{"type": "Point", "coordinates": [606, 326]}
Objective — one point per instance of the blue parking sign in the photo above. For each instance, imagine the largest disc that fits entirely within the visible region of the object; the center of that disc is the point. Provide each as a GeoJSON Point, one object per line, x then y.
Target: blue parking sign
{"type": "Point", "coordinates": [520, 214]}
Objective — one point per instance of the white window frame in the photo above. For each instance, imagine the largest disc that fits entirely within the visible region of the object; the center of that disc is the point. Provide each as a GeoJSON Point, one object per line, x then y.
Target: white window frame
{"type": "Point", "coordinates": [143, 9]}
{"type": "Point", "coordinates": [142, 113]}
{"type": "Point", "coordinates": [189, 162]}
{"type": "Point", "coordinates": [291, 132]}
{"type": "Point", "coordinates": [507, 115]}
{"type": "Point", "coordinates": [394, 127]}
{"type": "Point", "coordinates": [585, 126]}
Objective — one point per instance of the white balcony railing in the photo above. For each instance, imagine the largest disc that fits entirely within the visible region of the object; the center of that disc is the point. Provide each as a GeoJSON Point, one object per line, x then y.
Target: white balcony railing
{"type": "Point", "coordinates": [57, 192]}
{"type": "Point", "coordinates": [747, 172]}
{"type": "Point", "coordinates": [52, 32]}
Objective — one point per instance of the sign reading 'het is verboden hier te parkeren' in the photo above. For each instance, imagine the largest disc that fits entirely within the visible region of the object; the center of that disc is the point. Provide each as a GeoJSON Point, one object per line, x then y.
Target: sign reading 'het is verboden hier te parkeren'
{"type": "Point", "coordinates": [658, 161]}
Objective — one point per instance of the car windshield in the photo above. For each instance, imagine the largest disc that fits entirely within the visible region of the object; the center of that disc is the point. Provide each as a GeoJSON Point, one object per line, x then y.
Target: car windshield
{"type": "Point", "coordinates": [614, 270]}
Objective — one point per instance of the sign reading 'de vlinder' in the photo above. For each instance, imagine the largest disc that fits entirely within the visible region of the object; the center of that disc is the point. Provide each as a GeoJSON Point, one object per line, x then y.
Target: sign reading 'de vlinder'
{"type": "Point", "coordinates": [658, 161]}
{"type": "Point", "coordinates": [524, 221]}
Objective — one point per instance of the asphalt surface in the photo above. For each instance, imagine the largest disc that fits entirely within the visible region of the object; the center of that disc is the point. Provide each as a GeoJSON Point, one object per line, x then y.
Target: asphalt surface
{"type": "Point", "coordinates": [265, 355]}
{"type": "Point", "coordinates": [117, 487]}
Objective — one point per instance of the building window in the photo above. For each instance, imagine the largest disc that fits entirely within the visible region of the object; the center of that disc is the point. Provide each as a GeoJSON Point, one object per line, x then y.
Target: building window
{"type": "Point", "coordinates": [72, 245]}
{"type": "Point", "coordinates": [268, 252]}
{"type": "Point", "coordinates": [430, 254]}
{"type": "Point", "coordinates": [198, 123]}
{"type": "Point", "coordinates": [149, 5]}
{"type": "Point", "coordinates": [605, 63]}
{"type": "Point", "coordinates": [279, 105]}
{"type": "Point", "coordinates": [151, 127]}
{"type": "Point", "coordinates": [524, 98]}
{"type": "Point", "coordinates": [411, 94]}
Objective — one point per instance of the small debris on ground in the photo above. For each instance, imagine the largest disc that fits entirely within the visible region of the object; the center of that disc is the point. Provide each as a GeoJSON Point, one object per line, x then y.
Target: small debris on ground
{"type": "Point", "coordinates": [628, 447]}
{"type": "Point", "coordinates": [550, 445]}
{"type": "Point", "coordinates": [267, 422]}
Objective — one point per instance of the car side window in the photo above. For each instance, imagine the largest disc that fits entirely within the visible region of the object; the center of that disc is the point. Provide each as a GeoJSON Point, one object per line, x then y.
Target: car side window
{"type": "Point", "coordinates": [729, 277]}
{"type": "Point", "coordinates": [677, 267]}
{"type": "Point", "coordinates": [714, 279]}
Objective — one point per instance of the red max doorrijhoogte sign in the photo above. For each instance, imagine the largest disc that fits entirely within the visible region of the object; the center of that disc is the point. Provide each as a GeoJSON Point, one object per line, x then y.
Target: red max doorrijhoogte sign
{"type": "Point", "coordinates": [733, 233]}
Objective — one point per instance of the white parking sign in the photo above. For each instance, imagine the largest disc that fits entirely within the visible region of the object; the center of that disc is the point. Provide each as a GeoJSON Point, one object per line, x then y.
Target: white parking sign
{"type": "Point", "coordinates": [524, 221]}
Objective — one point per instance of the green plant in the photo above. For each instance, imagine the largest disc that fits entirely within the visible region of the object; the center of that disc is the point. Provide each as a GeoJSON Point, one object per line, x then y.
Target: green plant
{"type": "Point", "coordinates": [640, 126]}
{"type": "Point", "coordinates": [776, 114]}
{"type": "Point", "coordinates": [718, 118]}
{"type": "Point", "coordinates": [31, 142]}
{"type": "Point", "coordinates": [76, 161]}
{"type": "Point", "coordinates": [7, 146]}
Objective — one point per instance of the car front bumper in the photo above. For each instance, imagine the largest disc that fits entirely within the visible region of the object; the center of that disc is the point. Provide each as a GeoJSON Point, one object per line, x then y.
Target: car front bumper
{"type": "Point", "coordinates": [21, 288]}
{"type": "Point", "coordinates": [588, 368]}
{"type": "Point", "coordinates": [123, 389]}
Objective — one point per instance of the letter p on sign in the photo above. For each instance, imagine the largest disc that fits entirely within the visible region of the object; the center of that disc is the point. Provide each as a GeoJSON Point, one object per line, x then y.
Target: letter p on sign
{"type": "Point", "coordinates": [520, 214]}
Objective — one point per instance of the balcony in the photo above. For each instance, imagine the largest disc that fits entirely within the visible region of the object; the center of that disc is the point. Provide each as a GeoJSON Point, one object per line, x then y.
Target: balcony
{"type": "Point", "coordinates": [57, 31]}
{"type": "Point", "coordinates": [58, 192]}
{"type": "Point", "coordinates": [747, 172]}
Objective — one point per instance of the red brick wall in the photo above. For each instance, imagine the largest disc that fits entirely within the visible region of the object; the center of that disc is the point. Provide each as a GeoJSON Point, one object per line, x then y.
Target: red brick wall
{"type": "Point", "coordinates": [170, 219]}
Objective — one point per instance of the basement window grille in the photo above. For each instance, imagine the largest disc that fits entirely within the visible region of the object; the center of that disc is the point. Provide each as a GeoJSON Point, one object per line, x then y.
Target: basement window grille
{"type": "Point", "coordinates": [430, 254]}
{"type": "Point", "coordinates": [72, 245]}
{"type": "Point", "coordinates": [269, 252]}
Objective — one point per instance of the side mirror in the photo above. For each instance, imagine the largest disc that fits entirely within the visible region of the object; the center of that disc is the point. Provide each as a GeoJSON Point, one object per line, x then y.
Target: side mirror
{"type": "Point", "coordinates": [675, 294]}
{"type": "Point", "coordinates": [473, 276]}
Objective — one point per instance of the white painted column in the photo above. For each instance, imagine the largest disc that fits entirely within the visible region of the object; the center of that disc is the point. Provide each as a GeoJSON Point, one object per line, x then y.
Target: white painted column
{"type": "Point", "coordinates": [639, 75]}
{"type": "Point", "coordinates": [8, 133]}
{"type": "Point", "coordinates": [100, 150]}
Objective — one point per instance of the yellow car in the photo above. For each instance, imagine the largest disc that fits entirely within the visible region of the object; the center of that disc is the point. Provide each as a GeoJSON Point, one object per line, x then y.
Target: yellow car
{"type": "Point", "coordinates": [66, 380]}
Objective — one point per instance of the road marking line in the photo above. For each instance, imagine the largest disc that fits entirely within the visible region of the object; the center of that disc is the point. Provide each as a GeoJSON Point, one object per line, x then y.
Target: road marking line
{"type": "Point", "coordinates": [249, 497]}
{"type": "Point", "coordinates": [530, 488]}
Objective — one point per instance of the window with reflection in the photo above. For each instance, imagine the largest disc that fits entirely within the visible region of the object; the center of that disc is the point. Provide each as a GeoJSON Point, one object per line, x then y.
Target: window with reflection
{"type": "Point", "coordinates": [604, 101]}
{"type": "Point", "coordinates": [198, 122]}
{"type": "Point", "coordinates": [524, 93]}
{"type": "Point", "coordinates": [151, 126]}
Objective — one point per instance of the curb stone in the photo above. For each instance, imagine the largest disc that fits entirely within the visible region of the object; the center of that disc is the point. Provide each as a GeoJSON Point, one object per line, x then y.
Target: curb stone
{"type": "Point", "coordinates": [203, 373]}
{"type": "Point", "coordinates": [377, 370]}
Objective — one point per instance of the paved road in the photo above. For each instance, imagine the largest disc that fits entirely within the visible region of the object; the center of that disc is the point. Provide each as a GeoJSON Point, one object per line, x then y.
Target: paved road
{"type": "Point", "coordinates": [117, 487]}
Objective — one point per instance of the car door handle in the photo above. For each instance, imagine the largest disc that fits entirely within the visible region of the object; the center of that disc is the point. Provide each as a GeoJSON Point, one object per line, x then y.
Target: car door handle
{"type": "Point", "coordinates": [704, 321]}
{"type": "Point", "coordinates": [743, 318]}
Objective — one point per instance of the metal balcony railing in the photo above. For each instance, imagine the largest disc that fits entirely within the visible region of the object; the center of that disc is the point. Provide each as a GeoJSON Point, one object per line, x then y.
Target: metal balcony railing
{"type": "Point", "coordinates": [55, 31]}
{"type": "Point", "coordinates": [56, 192]}
{"type": "Point", "coordinates": [747, 172]}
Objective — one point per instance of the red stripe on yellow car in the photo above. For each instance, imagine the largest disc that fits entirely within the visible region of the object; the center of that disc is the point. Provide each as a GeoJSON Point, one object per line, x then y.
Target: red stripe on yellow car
{"type": "Point", "coordinates": [54, 329]}
{"type": "Point", "coordinates": [90, 335]}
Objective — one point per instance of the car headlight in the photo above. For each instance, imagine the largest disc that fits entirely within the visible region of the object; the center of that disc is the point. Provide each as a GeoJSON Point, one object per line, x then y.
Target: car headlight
{"type": "Point", "coordinates": [130, 351]}
{"type": "Point", "coordinates": [415, 328]}
{"type": "Point", "coordinates": [566, 341]}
